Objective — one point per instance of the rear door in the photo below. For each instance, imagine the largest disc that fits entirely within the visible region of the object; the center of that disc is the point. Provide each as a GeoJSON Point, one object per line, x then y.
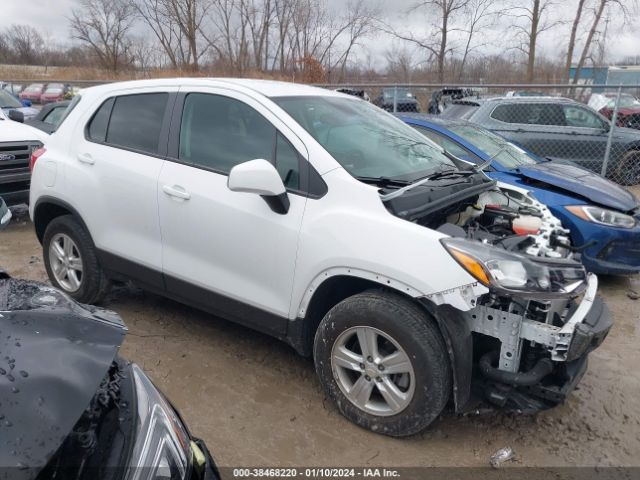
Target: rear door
{"type": "Point", "coordinates": [115, 173]}
{"type": "Point", "coordinates": [224, 251]}
{"type": "Point", "coordinates": [532, 126]}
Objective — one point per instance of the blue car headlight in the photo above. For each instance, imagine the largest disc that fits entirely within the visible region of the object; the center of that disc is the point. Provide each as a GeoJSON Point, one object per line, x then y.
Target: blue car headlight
{"type": "Point", "coordinates": [162, 445]}
{"type": "Point", "coordinates": [602, 216]}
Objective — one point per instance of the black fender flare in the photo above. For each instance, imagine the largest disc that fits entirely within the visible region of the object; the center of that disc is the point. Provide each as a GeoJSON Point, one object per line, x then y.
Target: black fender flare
{"type": "Point", "coordinates": [457, 338]}
{"type": "Point", "coordinates": [58, 203]}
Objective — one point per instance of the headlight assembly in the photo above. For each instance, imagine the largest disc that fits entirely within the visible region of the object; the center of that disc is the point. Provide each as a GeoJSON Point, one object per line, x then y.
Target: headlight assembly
{"type": "Point", "coordinates": [513, 274]}
{"type": "Point", "coordinates": [162, 445]}
{"type": "Point", "coordinates": [602, 216]}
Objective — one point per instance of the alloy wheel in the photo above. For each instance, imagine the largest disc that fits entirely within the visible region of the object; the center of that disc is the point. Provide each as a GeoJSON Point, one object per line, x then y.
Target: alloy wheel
{"type": "Point", "coordinates": [373, 371]}
{"type": "Point", "coordinates": [66, 262]}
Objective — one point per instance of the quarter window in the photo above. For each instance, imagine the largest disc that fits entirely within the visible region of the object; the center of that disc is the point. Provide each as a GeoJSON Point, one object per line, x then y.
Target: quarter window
{"type": "Point", "coordinates": [97, 130]}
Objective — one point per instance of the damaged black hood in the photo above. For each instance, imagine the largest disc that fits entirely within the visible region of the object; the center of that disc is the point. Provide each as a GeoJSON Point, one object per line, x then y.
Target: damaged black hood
{"type": "Point", "coordinates": [54, 353]}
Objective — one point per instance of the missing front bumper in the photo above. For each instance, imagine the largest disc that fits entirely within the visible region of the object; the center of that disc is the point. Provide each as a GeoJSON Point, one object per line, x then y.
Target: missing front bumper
{"type": "Point", "coordinates": [564, 347]}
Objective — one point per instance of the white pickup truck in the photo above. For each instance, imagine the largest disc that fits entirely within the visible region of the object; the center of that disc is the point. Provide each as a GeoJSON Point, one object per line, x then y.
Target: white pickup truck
{"type": "Point", "coordinates": [17, 143]}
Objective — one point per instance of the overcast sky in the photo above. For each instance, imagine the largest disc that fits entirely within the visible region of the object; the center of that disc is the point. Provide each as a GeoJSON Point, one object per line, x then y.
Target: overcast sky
{"type": "Point", "coordinates": [49, 16]}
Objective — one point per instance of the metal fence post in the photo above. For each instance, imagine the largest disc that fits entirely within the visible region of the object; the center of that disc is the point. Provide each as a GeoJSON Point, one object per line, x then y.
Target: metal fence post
{"type": "Point", "coordinates": [395, 99]}
{"type": "Point", "coordinates": [614, 119]}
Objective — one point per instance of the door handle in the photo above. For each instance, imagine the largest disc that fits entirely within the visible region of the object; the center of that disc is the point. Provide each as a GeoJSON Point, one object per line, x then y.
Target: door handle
{"type": "Point", "coordinates": [176, 191]}
{"type": "Point", "coordinates": [86, 158]}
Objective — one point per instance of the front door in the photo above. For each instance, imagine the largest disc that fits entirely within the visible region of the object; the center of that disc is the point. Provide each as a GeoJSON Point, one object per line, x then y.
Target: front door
{"type": "Point", "coordinates": [224, 251]}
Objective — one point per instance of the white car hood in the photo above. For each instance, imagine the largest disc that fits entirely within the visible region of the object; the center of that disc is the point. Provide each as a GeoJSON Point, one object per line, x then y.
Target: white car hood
{"type": "Point", "coordinates": [11, 131]}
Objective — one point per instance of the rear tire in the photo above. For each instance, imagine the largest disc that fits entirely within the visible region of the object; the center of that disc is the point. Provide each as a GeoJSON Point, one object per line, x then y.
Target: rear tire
{"type": "Point", "coordinates": [400, 382]}
{"type": "Point", "coordinates": [627, 171]}
{"type": "Point", "coordinates": [71, 262]}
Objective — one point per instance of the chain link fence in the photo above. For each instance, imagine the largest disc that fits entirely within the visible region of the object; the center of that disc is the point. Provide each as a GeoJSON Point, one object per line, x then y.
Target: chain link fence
{"type": "Point", "coordinates": [594, 126]}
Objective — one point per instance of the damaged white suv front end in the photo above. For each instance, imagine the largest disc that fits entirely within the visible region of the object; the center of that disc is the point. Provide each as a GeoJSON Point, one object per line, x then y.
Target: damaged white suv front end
{"type": "Point", "coordinates": [539, 315]}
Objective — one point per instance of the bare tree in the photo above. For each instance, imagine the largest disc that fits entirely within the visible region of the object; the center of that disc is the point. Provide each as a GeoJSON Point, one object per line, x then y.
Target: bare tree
{"type": "Point", "coordinates": [104, 26]}
{"type": "Point", "coordinates": [624, 8]}
{"type": "Point", "coordinates": [536, 21]}
{"type": "Point", "coordinates": [25, 42]}
{"type": "Point", "coordinates": [481, 14]}
{"type": "Point", "coordinates": [572, 38]}
{"type": "Point", "coordinates": [177, 25]}
{"type": "Point", "coordinates": [360, 21]}
{"type": "Point", "coordinates": [400, 63]}
{"type": "Point", "coordinates": [436, 41]}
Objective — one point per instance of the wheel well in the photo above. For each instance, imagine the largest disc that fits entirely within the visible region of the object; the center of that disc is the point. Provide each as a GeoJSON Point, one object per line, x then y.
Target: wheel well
{"type": "Point", "coordinates": [44, 214]}
{"type": "Point", "coordinates": [330, 292]}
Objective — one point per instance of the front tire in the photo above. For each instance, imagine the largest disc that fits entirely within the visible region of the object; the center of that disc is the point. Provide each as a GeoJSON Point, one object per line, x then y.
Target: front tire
{"type": "Point", "coordinates": [71, 262]}
{"type": "Point", "coordinates": [383, 361]}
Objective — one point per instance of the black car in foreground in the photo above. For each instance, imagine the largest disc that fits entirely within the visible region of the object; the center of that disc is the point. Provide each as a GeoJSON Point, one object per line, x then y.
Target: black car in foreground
{"type": "Point", "coordinates": [71, 408]}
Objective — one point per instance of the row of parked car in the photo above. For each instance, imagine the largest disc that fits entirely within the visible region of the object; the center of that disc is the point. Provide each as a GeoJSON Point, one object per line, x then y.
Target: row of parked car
{"type": "Point", "coordinates": [552, 127]}
{"type": "Point", "coordinates": [420, 263]}
{"type": "Point", "coordinates": [42, 93]}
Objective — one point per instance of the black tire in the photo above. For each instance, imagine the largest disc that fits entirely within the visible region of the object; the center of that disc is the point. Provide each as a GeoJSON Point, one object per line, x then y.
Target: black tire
{"type": "Point", "coordinates": [416, 332]}
{"type": "Point", "coordinates": [94, 284]}
{"type": "Point", "coordinates": [627, 171]}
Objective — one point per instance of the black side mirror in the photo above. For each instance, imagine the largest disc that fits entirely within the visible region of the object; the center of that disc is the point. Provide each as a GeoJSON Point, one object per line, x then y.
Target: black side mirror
{"type": "Point", "coordinates": [5, 214]}
{"type": "Point", "coordinates": [16, 116]}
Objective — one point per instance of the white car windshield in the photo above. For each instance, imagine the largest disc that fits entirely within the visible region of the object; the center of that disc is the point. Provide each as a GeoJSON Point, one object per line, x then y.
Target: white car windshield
{"type": "Point", "coordinates": [364, 139]}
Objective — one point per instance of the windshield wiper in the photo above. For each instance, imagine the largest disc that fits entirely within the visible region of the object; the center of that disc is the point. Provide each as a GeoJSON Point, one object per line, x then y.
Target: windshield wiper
{"type": "Point", "coordinates": [383, 181]}
{"type": "Point", "coordinates": [451, 173]}
{"type": "Point", "coordinates": [473, 169]}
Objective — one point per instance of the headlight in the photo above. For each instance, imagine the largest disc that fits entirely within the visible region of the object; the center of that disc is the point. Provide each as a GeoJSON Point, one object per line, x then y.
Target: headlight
{"type": "Point", "coordinates": [602, 216]}
{"type": "Point", "coordinates": [162, 445]}
{"type": "Point", "coordinates": [510, 273]}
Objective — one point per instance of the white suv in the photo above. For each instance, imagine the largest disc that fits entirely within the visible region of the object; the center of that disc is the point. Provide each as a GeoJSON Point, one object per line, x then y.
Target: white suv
{"type": "Point", "coordinates": [326, 222]}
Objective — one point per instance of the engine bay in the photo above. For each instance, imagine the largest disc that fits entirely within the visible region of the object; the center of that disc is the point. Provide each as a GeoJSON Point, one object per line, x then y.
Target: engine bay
{"type": "Point", "coordinates": [477, 208]}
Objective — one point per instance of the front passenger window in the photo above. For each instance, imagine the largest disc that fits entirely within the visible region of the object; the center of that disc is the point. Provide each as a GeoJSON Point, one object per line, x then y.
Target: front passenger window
{"type": "Point", "coordinates": [219, 133]}
{"type": "Point", "coordinates": [581, 117]}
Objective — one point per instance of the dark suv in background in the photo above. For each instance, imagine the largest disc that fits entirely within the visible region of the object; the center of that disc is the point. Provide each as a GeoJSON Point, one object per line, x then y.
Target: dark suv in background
{"type": "Point", "coordinates": [559, 129]}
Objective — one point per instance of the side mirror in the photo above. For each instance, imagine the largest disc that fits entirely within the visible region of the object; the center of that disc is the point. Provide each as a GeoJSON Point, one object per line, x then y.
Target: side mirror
{"type": "Point", "coordinates": [16, 116]}
{"type": "Point", "coordinates": [262, 178]}
{"type": "Point", "coordinates": [5, 214]}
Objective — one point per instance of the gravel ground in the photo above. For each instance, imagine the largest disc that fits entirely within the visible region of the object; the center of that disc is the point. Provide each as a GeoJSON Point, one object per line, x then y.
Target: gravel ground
{"type": "Point", "coordinates": [256, 403]}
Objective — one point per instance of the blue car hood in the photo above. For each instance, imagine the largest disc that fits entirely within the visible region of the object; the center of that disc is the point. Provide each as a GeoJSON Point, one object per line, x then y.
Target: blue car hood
{"type": "Point", "coordinates": [578, 181]}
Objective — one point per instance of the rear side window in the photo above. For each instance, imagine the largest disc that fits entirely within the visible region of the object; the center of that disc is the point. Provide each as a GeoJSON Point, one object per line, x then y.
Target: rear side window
{"type": "Point", "coordinates": [136, 121]}
{"type": "Point", "coordinates": [97, 130]}
{"type": "Point", "coordinates": [530, 114]}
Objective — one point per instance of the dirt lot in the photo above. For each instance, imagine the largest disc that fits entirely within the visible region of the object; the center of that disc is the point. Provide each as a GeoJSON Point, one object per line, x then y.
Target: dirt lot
{"type": "Point", "coordinates": [256, 403]}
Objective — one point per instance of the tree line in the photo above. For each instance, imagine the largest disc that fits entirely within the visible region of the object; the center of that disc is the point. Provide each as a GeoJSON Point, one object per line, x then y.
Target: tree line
{"type": "Point", "coordinates": [444, 40]}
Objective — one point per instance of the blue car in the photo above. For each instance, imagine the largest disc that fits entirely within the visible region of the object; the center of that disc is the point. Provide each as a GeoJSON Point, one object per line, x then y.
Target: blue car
{"type": "Point", "coordinates": [604, 218]}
